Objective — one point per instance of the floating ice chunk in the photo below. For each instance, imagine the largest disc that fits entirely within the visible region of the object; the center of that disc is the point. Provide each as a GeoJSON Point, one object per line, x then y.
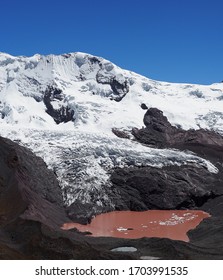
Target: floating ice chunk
{"type": "Point", "coordinates": [121, 229]}
{"type": "Point", "coordinates": [124, 249]}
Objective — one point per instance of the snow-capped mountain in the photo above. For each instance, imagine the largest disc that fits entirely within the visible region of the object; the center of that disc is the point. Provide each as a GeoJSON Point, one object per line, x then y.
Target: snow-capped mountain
{"type": "Point", "coordinates": [91, 87]}
{"type": "Point", "coordinates": [70, 108]}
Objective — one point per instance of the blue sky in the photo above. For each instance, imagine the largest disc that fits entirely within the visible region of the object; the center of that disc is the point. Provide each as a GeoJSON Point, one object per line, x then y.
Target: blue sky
{"type": "Point", "coordinates": [169, 40]}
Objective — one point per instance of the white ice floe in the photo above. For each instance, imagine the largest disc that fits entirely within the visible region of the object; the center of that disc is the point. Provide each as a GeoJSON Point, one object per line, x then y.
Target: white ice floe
{"type": "Point", "coordinates": [124, 249]}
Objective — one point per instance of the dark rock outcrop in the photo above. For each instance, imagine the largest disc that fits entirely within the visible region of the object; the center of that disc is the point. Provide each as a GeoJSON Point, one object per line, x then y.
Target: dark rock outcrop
{"type": "Point", "coordinates": [119, 89]}
{"type": "Point", "coordinates": [175, 187]}
{"type": "Point", "coordinates": [27, 187]}
{"type": "Point", "coordinates": [144, 107]}
{"type": "Point", "coordinates": [161, 134]}
{"type": "Point", "coordinates": [121, 133]}
{"type": "Point", "coordinates": [64, 113]}
{"type": "Point", "coordinates": [30, 197]}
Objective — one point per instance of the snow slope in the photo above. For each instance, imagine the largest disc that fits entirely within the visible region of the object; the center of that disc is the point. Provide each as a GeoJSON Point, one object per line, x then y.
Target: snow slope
{"type": "Point", "coordinates": [101, 96]}
{"type": "Point", "coordinates": [82, 78]}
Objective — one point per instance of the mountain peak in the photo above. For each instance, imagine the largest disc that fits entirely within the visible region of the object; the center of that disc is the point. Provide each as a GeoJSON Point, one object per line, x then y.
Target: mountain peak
{"type": "Point", "coordinates": [93, 87]}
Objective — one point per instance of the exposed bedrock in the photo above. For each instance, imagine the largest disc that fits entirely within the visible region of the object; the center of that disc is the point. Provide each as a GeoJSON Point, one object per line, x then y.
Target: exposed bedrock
{"type": "Point", "coordinates": [60, 115]}
{"type": "Point", "coordinates": [119, 88]}
{"type": "Point", "coordinates": [160, 133]}
{"type": "Point", "coordinates": [175, 187]}
{"type": "Point", "coordinates": [27, 187]}
{"type": "Point", "coordinates": [29, 198]}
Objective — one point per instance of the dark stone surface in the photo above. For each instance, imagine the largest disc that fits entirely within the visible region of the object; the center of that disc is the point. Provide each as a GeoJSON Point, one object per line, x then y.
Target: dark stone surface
{"type": "Point", "coordinates": [119, 89]}
{"type": "Point", "coordinates": [121, 133]}
{"type": "Point", "coordinates": [175, 187]}
{"type": "Point", "coordinates": [63, 114]}
{"type": "Point", "coordinates": [144, 107]}
{"type": "Point", "coordinates": [28, 188]}
{"type": "Point", "coordinates": [160, 133]}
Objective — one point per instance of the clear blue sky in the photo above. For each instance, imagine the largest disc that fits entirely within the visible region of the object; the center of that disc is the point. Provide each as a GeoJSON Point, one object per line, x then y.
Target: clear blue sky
{"type": "Point", "coordinates": [169, 40]}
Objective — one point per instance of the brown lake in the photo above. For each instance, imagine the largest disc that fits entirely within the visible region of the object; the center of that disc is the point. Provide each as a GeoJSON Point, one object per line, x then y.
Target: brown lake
{"type": "Point", "coordinates": [173, 224]}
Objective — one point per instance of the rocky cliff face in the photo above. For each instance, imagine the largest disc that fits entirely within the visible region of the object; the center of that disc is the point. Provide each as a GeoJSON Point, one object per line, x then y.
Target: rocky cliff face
{"type": "Point", "coordinates": [28, 188]}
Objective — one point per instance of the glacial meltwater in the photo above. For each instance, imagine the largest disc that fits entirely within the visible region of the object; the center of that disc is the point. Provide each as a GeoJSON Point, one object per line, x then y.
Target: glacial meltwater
{"type": "Point", "coordinates": [173, 224]}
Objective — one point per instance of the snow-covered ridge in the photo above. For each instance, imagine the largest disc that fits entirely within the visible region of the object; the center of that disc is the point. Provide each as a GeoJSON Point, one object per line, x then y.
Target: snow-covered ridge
{"type": "Point", "coordinates": [90, 85]}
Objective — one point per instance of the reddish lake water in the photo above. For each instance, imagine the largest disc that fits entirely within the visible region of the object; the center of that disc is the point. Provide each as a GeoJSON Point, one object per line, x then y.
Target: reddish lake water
{"type": "Point", "coordinates": [173, 224]}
